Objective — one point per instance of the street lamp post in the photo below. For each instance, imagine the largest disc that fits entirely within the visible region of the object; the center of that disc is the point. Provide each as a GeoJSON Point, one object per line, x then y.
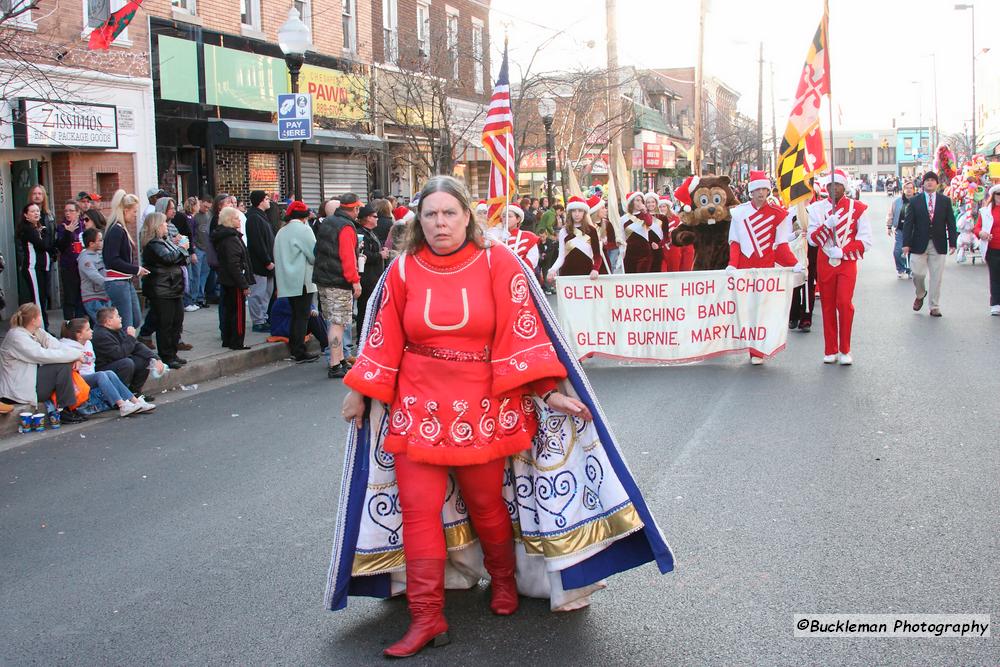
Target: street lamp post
{"type": "Point", "coordinates": [294, 39]}
{"type": "Point", "coordinates": [547, 110]}
{"type": "Point", "coordinates": [962, 7]}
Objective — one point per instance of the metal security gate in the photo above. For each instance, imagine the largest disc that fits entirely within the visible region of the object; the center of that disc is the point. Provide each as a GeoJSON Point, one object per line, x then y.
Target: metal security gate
{"type": "Point", "coordinates": [344, 173]}
{"type": "Point", "coordinates": [311, 190]}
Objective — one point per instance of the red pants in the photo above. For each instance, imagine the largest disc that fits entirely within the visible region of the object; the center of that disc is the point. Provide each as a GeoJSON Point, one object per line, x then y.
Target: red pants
{"type": "Point", "coordinates": [422, 489]}
{"type": "Point", "coordinates": [677, 258]}
{"type": "Point", "coordinates": [836, 283]}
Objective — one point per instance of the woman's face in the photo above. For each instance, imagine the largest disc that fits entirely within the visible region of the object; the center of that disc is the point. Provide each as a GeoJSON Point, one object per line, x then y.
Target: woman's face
{"type": "Point", "coordinates": [171, 211]}
{"type": "Point", "coordinates": [576, 215]}
{"type": "Point", "coordinates": [161, 231]}
{"type": "Point", "coordinates": [639, 206]}
{"type": "Point", "coordinates": [443, 221]}
{"type": "Point", "coordinates": [34, 324]}
{"type": "Point", "coordinates": [652, 203]}
{"type": "Point", "coordinates": [664, 208]}
{"type": "Point", "coordinates": [129, 213]}
{"type": "Point", "coordinates": [513, 221]}
{"type": "Point", "coordinates": [88, 223]}
{"type": "Point", "coordinates": [71, 213]}
{"type": "Point", "coordinates": [33, 214]}
{"type": "Point", "coordinates": [229, 203]}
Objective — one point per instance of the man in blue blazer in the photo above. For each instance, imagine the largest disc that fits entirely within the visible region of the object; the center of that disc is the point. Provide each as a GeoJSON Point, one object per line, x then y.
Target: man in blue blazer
{"type": "Point", "coordinates": [929, 235]}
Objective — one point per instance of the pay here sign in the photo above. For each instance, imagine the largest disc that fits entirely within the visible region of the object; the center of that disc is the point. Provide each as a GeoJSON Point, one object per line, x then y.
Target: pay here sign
{"type": "Point", "coordinates": [676, 317]}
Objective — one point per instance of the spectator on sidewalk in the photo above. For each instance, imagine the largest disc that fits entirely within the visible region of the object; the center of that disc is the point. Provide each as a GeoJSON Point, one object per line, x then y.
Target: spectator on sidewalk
{"type": "Point", "coordinates": [201, 242]}
{"type": "Point", "coordinates": [929, 235]}
{"type": "Point", "coordinates": [33, 365]}
{"type": "Point", "coordinates": [294, 247]}
{"type": "Point", "coordinates": [260, 244]}
{"type": "Point", "coordinates": [90, 265]}
{"type": "Point", "coordinates": [371, 263]}
{"type": "Point", "coordinates": [121, 258]}
{"type": "Point", "coordinates": [111, 391]}
{"type": "Point", "coordinates": [235, 277]}
{"type": "Point", "coordinates": [894, 226]}
{"type": "Point", "coordinates": [119, 351]}
{"type": "Point", "coordinates": [33, 260]}
{"type": "Point", "coordinates": [164, 286]}
{"type": "Point", "coordinates": [68, 241]}
{"type": "Point", "coordinates": [153, 195]}
{"type": "Point", "coordinates": [383, 208]}
{"type": "Point", "coordinates": [281, 322]}
{"type": "Point", "coordinates": [184, 221]}
{"type": "Point", "coordinates": [987, 230]}
{"type": "Point", "coordinates": [336, 276]}
{"type": "Point", "coordinates": [85, 202]}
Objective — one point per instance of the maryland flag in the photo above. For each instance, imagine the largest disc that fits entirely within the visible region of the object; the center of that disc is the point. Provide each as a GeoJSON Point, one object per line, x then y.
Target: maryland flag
{"type": "Point", "coordinates": [802, 154]}
{"type": "Point", "coordinates": [107, 32]}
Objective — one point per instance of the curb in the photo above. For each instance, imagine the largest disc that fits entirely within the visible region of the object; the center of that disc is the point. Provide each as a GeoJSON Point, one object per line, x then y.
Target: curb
{"type": "Point", "coordinates": [212, 367]}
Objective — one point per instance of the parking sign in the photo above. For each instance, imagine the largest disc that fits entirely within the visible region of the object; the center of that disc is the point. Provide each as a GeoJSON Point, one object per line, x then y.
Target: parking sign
{"type": "Point", "coordinates": [294, 116]}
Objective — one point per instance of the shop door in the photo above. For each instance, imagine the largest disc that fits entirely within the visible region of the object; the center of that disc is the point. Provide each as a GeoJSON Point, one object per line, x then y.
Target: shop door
{"type": "Point", "coordinates": [23, 177]}
{"type": "Point", "coordinates": [343, 173]}
{"type": "Point", "coordinates": [311, 194]}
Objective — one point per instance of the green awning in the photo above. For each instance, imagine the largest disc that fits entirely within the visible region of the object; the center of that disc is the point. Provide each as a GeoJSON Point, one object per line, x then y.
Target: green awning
{"type": "Point", "coordinates": [648, 118]}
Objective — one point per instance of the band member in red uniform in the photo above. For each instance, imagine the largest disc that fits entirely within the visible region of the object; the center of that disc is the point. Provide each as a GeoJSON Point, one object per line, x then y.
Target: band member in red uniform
{"type": "Point", "coordinates": [759, 236]}
{"type": "Point", "coordinates": [800, 314]}
{"type": "Point", "coordinates": [579, 244]}
{"type": "Point", "coordinates": [643, 235]}
{"type": "Point", "coordinates": [457, 348]}
{"type": "Point", "coordinates": [522, 242]}
{"type": "Point", "coordinates": [840, 228]}
{"type": "Point", "coordinates": [675, 258]}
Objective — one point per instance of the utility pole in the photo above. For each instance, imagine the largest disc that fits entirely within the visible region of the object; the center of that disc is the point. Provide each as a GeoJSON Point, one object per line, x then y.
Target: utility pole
{"type": "Point", "coordinates": [698, 84]}
{"type": "Point", "coordinates": [774, 127]}
{"type": "Point", "coordinates": [614, 96]}
{"type": "Point", "coordinates": [760, 109]}
{"type": "Point", "coordinates": [936, 137]}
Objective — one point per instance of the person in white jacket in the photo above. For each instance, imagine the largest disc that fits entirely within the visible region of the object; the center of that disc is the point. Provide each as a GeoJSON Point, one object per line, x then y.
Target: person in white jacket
{"type": "Point", "coordinates": [33, 365]}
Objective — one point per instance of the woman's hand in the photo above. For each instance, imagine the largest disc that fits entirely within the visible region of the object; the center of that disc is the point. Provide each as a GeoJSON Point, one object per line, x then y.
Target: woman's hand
{"type": "Point", "coordinates": [568, 406]}
{"type": "Point", "coordinates": [72, 226]}
{"type": "Point", "coordinates": [353, 408]}
{"type": "Point", "coordinates": [985, 236]}
{"type": "Point", "coordinates": [594, 274]}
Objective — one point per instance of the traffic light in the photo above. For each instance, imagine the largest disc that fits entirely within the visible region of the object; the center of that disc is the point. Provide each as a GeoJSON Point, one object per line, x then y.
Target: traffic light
{"type": "Point", "coordinates": [850, 144]}
{"type": "Point", "coordinates": [884, 144]}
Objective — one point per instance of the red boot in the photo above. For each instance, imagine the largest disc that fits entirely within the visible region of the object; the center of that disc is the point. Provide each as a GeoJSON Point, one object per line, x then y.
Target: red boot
{"type": "Point", "coordinates": [501, 564]}
{"type": "Point", "coordinates": [425, 596]}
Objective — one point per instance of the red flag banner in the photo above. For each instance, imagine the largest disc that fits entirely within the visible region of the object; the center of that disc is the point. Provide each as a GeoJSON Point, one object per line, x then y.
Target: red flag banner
{"type": "Point", "coordinates": [103, 35]}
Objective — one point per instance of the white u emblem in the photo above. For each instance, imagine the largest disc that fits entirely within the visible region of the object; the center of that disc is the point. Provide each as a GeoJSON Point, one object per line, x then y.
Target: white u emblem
{"type": "Point", "coordinates": [447, 327]}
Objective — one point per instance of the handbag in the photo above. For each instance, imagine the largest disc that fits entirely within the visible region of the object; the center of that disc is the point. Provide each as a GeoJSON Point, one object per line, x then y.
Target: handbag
{"type": "Point", "coordinates": [81, 388]}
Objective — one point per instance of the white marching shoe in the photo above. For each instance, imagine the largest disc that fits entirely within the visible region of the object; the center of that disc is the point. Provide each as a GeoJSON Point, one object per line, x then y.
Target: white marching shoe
{"type": "Point", "coordinates": [756, 361]}
{"type": "Point", "coordinates": [829, 358]}
{"type": "Point", "coordinates": [845, 359]}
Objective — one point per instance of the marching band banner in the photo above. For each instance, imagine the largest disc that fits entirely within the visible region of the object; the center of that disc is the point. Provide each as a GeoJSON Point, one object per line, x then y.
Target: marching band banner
{"type": "Point", "coordinates": [676, 317]}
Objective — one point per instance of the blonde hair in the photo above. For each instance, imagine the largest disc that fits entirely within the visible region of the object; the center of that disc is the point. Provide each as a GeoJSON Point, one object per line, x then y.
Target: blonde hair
{"type": "Point", "coordinates": [150, 227]}
{"type": "Point", "coordinates": [25, 313]}
{"type": "Point", "coordinates": [45, 197]}
{"type": "Point", "coordinates": [415, 240]}
{"type": "Point", "coordinates": [230, 217]}
{"type": "Point", "coordinates": [120, 201]}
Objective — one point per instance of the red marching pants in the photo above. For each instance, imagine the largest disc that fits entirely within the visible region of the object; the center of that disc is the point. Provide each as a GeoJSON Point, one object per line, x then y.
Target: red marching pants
{"type": "Point", "coordinates": [836, 284]}
{"type": "Point", "coordinates": [422, 489]}
{"type": "Point", "coordinates": [677, 258]}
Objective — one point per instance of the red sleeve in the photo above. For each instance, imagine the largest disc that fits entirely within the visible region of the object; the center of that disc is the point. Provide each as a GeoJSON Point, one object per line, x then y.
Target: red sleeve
{"type": "Point", "coordinates": [978, 229]}
{"type": "Point", "coordinates": [595, 247]}
{"type": "Point", "coordinates": [734, 253]}
{"type": "Point", "coordinates": [375, 372]}
{"type": "Point", "coordinates": [784, 256]}
{"type": "Point", "coordinates": [820, 235]}
{"type": "Point", "coordinates": [522, 352]}
{"type": "Point", "coordinates": [541, 387]}
{"type": "Point", "coordinates": [348, 244]}
{"type": "Point", "coordinates": [856, 247]}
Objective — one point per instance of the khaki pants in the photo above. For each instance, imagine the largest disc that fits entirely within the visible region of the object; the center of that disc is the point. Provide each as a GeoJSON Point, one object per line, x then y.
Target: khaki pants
{"type": "Point", "coordinates": [933, 263]}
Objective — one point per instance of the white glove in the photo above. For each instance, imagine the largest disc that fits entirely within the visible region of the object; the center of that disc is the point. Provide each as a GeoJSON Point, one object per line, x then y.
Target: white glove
{"type": "Point", "coordinates": [831, 222]}
{"type": "Point", "coordinates": [798, 268]}
{"type": "Point", "coordinates": [731, 270]}
{"type": "Point", "coordinates": [836, 252]}
{"type": "Point", "coordinates": [796, 235]}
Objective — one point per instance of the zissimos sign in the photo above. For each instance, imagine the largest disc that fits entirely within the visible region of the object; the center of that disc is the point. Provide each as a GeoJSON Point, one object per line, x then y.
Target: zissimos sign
{"type": "Point", "coordinates": [65, 124]}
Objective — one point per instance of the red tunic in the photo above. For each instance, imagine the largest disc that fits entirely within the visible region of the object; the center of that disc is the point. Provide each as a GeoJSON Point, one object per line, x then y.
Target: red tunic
{"type": "Point", "coordinates": [456, 349]}
{"type": "Point", "coordinates": [525, 245]}
{"type": "Point", "coordinates": [758, 238]}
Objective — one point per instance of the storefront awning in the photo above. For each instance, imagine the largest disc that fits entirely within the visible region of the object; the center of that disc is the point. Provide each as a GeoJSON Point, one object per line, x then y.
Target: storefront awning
{"type": "Point", "coordinates": [252, 132]}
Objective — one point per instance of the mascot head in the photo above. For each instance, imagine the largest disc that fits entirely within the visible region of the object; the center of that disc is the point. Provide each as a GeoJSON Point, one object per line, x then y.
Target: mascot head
{"type": "Point", "coordinates": [710, 201]}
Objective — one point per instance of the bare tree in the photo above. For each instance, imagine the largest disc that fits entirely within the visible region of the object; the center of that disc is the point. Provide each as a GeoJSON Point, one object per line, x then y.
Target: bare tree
{"type": "Point", "coordinates": [961, 145]}
{"type": "Point", "coordinates": [734, 142]}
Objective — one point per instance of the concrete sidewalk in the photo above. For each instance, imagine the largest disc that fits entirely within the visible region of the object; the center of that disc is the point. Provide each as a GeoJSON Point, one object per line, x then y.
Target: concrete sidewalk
{"type": "Point", "coordinates": [207, 361]}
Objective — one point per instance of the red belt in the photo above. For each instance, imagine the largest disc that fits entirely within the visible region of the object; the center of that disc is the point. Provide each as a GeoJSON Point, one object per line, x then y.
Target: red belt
{"type": "Point", "coordinates": [446, 354]}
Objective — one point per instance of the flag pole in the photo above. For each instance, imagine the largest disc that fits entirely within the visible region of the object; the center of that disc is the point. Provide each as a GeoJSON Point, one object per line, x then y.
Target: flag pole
{"type": "Point", "coordinates": [829, 78]}
{"type": "Point", "coordinates": [509, 154]}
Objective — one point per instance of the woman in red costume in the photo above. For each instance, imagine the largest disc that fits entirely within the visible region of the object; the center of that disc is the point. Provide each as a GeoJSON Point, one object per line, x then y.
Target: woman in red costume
{"type": "Point", "coordinates": [643, 235]}
{"type": "Point", "coordinates": [457, 349]}
{"type": "Point", "coordinates": [579, 244]}
{"type": "Point", "coordinates": [675, 258]}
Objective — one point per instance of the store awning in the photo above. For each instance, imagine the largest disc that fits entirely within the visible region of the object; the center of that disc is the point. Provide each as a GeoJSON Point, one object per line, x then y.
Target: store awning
{"type": "Point", "coordinates": [253, 132]}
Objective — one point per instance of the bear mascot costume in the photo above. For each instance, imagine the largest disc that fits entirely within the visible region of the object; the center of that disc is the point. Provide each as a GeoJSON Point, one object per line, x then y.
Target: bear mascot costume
{"type": "Point", "coordinates": [703, 204]}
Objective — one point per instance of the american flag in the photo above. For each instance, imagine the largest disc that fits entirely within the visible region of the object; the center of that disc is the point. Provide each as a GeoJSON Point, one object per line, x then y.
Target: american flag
{"type": "Point", "coordinates": [498, 141]}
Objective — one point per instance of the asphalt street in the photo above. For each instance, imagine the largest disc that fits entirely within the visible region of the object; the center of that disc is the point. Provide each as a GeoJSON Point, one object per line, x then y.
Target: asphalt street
{"type": "Point", "coordinates": [200, 534]}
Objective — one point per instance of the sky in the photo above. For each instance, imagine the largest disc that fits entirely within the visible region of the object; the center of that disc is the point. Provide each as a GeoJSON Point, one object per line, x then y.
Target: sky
{"type": "Point", "coordinates": [882, 51]}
